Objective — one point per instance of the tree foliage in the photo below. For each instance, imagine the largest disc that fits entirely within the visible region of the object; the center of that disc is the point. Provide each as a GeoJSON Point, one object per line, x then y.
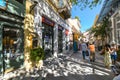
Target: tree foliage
{"type": "Point", "coordinates": [36, 54]}
{"type": "Point", "coordinates": [86, 3]}
{"type": "Point", "coordinates": [102, 30]}
{"type": "Point", "coordinates": [76, 17]}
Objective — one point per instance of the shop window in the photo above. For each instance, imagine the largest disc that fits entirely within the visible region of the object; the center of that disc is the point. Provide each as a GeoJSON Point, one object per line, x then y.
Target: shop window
{"type": "Point", "coordinates": [35, 42]}
{"type": "Point", "coordinates": [20, 1]}
{"type": "Point", "coordinates": [12, 42]}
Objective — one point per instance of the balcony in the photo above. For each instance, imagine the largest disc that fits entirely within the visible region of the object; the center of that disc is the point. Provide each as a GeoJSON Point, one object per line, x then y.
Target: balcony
{"type": "Point", "coordinates": [63, 7]}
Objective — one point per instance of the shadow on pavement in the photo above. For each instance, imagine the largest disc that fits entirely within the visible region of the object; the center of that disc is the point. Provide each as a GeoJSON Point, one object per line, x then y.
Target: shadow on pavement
{"type": "Point", "coordinates": [64, 68]}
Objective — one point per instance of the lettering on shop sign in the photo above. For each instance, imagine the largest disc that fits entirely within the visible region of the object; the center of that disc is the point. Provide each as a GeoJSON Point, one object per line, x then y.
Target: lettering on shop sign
{"type": "Point", "coordinates": [47, 21]}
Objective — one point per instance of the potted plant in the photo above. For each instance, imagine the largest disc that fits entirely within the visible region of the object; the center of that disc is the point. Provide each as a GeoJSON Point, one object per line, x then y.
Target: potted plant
{"type": "Point", "coordinates": [37, 56]}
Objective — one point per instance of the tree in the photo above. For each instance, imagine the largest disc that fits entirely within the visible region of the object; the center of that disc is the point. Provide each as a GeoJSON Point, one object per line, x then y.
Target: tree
{"type": "Point", "coordinates": [102, 30]}
{"type": "Point", "coordinates": [85, 3]}
{"type": "Point", "coordinates": [76, 17]}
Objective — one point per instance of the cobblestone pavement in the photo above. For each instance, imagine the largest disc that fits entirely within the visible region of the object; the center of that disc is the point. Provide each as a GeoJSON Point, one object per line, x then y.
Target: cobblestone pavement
{"type": "Point", "coordinates": [69, 66]}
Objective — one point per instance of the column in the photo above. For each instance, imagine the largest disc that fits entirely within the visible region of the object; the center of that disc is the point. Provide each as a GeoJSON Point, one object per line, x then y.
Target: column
{"type": "Point", "coordinates": [55, 48]}
{"type": "Point", "coordinates": [113, 35]}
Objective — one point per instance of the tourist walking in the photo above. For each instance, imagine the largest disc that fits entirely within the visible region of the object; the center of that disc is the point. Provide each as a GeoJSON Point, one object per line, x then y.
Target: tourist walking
{"type": "Point", "coordinates": [83, 49]}
{"type": "Point", "coordinates": [107, 56]}
{"type": "Point", "coordinates": [92, 51]}
{"type": "Point", "coordinates": [113, 52]}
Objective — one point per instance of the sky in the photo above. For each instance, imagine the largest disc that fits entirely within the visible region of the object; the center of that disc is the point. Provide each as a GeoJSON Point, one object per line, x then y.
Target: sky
{"type": "Point", "coordinates": [86, 16]}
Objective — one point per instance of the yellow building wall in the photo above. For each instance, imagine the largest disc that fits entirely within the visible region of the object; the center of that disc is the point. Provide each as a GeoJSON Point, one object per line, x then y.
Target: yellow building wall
{"type": "Point", "coordinates": [76, 36]}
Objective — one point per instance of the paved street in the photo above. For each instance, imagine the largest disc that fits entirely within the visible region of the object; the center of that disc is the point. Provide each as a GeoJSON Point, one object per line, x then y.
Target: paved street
{"type": "Point", "coordinates": [67, 67]}
{"type": "Point", "coordinates": [75, 68]}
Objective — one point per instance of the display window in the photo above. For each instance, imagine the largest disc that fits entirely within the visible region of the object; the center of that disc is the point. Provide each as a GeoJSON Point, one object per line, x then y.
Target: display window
{"type": "Point", "coordinates": [47, 39]}
{"type": "Point", "coordinates": [12, 42]}
{"type": "Point", "coordinates": [60, 40]}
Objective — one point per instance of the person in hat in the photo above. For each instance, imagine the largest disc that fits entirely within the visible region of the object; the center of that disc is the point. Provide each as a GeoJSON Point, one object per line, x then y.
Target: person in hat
{"type": "Point", "coordinates": [113, 52]}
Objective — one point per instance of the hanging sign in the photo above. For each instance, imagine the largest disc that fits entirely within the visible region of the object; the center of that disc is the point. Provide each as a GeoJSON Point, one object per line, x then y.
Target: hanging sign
{"type": "Point", "coordinates": [49, 22]}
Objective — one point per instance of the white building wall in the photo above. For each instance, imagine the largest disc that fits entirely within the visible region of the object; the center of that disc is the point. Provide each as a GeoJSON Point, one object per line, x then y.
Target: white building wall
{"type": "Point", "coordinates": [43, 9]}
{"type": "Point", "coordinates": [55, 40]}
{"type": "Point", "coordinates": [74, 23]}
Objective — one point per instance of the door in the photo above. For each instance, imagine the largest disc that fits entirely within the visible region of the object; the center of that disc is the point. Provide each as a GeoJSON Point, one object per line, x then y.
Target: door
{"type": "Point", "coordinates": [47, 40]}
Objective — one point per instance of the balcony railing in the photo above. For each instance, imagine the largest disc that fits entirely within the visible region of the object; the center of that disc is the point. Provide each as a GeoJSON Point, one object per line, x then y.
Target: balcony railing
{"type": "Point", "coordinates": [63, 7]}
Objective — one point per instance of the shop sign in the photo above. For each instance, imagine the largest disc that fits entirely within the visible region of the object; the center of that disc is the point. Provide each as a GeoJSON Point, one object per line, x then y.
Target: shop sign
{"type": "Point", "coordinates": [3, 4]}
{"type": "Point", "coordinates": [47, 21]}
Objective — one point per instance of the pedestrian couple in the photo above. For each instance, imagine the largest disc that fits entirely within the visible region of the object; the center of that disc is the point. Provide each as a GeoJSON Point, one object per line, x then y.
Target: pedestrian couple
{"type": "Point", "coordinates": [110, 54]}
{"type": "Point", "coordinates": [88, 49]}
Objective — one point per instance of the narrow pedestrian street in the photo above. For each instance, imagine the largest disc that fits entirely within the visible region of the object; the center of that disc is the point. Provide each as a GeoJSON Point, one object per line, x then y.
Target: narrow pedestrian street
{"type": "Point", "coordinates": [74, 68]}
{"type": "Point", "coordinates": [54, 39]}
{"type": "Point", "coordinates": [69, 66]}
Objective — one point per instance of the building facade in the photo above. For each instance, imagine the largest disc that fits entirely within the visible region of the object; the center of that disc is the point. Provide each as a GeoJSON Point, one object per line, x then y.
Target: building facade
{"type": "Point", "coordinates": [110, 10]}
{"type": "Point", "coordinates": [23, 27]}
{"type": "Point", "coordinates": [74, 33]}
{"type": "Point", "coordinates": [11, 34]}
{"type": "Point", "coordinates": [51, 26]}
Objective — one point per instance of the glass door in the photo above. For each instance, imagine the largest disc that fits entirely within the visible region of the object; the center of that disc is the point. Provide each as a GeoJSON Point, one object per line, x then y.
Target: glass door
{"type": "Point", "coordinates": [48, 40]}
{"type": "Point", "coordinates": [60, 40]}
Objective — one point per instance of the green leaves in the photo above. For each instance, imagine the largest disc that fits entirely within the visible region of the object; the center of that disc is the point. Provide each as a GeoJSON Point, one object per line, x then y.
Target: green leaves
{"type": "Point", "coordinates": [101, 30]}
{"type": "Point", "coordinates": [85, 3]}
{"type": "Point", "coordinates": [76, 17]}
{"type": "Point", "coordinates": [36, 54]}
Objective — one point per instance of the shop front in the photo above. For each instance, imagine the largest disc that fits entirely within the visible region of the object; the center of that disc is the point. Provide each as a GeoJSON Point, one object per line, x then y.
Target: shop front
{"type": "Point", "coordinates": [60, 39]}
{"type": "Point", "coordinates": [11, 36]}
{"type": "Point", "coordinates": [67, 39]}
{"type": "Point", "coordinates": [47, 36]}
{"type": "Point", "coordinates": [12, 43]}
{"type": "Point", "coordinates": [53, 27]}
{"type": "Point", "coordinates": [12, 47]}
